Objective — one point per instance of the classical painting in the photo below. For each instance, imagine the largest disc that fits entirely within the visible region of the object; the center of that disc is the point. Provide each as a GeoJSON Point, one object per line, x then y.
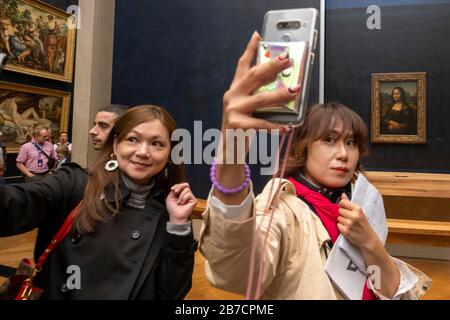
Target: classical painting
{"type": "Point", "coordinates": [23, 108]}
{"type": "Point", "coordinates": [399, 108]}
{"type": "Point", "coordinates": [38, 39]}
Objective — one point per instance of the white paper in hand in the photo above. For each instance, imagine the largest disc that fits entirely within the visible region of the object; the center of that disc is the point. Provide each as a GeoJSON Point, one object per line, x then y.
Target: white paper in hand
{"type": "Point", "coordinates": [345, 275]}
{"type": "Point", "coordinates": [370, 200]}
{"type": "Point", "coordinates": [345, 266]}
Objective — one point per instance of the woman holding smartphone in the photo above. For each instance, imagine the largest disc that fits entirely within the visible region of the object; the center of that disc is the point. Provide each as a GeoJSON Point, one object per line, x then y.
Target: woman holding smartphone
{"type": "Point", "coordinates": [313, 207]}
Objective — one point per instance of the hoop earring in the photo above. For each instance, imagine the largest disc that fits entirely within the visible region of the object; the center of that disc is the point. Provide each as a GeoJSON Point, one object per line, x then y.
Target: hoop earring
{"type": "Point", "coordinates": [112, 164]}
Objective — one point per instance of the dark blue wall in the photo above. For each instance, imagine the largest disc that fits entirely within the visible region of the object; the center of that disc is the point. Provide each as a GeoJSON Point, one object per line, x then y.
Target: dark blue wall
{"type": "Point", "coordinates": [339, 4]}
{"type": "Point", "coordinates": [21, 78]}
{"type": "Point", "coordinates": [413, 38]}
{"type": "Point", "coordinates": [182, 55]}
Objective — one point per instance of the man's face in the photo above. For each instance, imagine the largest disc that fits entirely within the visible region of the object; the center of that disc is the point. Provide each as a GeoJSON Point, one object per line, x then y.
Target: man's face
{"type": "Point", "coordinates": [104, 121]}
{"type": "Point", "coordinates": [63, 137]}
{"type": "Point", "coordinates": [43, 136]}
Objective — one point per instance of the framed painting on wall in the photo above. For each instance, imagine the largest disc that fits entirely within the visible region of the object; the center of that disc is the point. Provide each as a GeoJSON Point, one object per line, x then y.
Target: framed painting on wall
{"type": "Point", "coordinates": [23, 108]}
{"type": "Point", "coordinates": [399, 108]}
{"type": "Point", "coordinates": [39, 39]}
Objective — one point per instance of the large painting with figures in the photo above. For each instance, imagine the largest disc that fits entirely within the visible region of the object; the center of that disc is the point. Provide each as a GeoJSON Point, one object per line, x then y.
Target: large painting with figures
{"type": "Point", "coordinates": [23, 108]}
{"type": "Point", "coordinates": [39, 39]}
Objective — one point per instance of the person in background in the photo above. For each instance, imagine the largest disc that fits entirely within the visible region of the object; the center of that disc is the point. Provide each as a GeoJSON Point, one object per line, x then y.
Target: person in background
{"type": "Point", "coordinates": [131, 236]}
{"type": "Point", "coordinates": [104, 121]}
{"type": "Point", "coordinates": [63, 141]}
{"type": "Point", "coordinates": [33, 158]}
{"type": "Point", "coordinates": [63, 154]}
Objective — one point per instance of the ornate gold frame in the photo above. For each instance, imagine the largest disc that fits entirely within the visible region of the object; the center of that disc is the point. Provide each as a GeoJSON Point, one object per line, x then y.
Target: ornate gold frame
{"type": "Point", "coordinates": [70, 45]}
{"type": "Point", "coordinates": [65, 105]}
{"type": "Point", "coordinates": [420, 78]}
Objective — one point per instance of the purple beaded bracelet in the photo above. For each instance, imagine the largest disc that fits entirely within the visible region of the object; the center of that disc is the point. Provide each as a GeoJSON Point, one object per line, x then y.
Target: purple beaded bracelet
{"type": "Point", "coordinates": [222, 189]}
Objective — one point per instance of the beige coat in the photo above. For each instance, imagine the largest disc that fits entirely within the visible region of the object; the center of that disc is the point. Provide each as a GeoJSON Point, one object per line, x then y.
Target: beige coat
{"type": "Point", "coordinates": [295, 254]}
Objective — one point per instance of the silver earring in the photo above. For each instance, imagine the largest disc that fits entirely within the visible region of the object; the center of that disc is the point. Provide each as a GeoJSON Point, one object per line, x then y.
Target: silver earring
{"type": "Point", "coordinates": [112, 164]}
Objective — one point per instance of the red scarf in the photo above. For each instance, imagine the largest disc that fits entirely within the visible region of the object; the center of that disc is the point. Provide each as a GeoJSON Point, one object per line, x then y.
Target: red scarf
{"type": "Point", "coordinates": [328, 213]}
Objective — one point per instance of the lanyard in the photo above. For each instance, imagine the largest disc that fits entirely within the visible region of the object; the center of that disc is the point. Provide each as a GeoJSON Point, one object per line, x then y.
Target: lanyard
{"type": "Point", "coordinates": [40, 150]}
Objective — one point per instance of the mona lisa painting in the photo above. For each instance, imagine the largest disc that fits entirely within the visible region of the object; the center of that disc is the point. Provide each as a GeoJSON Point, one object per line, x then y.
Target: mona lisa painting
{"type": "Point", "coordinates": [398, 108]}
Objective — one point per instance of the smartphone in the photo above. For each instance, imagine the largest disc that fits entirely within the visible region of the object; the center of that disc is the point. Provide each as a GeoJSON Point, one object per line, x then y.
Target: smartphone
{"type": "Point", "coordinates": [294, 31]}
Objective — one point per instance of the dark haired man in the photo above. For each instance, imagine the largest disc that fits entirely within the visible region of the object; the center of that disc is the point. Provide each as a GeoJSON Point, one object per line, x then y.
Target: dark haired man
{"type": "Point", "coordinates": [104, 121]}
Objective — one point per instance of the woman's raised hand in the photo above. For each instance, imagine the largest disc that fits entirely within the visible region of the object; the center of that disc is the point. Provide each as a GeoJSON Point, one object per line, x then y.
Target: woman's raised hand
{"type": "Point", "coordinates": [354, 226]}
{"type": "Point", "coordinates": [180, 202]}
{"type": "Point", "coordinates": [239, 103]}
{"type": "Point", "coordinates": [242, 99]}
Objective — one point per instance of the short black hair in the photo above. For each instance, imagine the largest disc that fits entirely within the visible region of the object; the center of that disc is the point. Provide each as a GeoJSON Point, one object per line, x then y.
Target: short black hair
{"type": "Point", "coordinates": [117, 109]}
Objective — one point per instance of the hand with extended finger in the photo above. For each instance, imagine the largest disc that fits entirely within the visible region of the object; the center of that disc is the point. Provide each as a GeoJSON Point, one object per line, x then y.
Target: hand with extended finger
{"type": "Point", "coordinates": [354, 226]}
{"type": "Point", "coordinates": [239, 103]}
{"type": "Point", "coordinates": [180, 202]}
{"type": "Point", "coordinates": [242, 99]}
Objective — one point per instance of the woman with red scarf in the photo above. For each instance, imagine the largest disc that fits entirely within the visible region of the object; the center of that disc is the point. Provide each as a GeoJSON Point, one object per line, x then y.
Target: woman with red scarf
{"type": "Point", "coordinates": [281, 253]}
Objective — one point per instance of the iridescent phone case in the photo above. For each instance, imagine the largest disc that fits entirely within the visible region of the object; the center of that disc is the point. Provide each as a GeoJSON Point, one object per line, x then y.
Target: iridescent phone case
{"type": "Point", "coordinates": [291, 77]}
{"type": "Point", "coordinates": [296, 31]}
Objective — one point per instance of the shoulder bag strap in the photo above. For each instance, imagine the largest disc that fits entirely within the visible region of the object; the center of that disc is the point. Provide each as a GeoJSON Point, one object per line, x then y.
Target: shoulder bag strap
{"type": "Point", "coordinates": [62, 233]}
{"type": "Point", "coordinates": [39, 148]}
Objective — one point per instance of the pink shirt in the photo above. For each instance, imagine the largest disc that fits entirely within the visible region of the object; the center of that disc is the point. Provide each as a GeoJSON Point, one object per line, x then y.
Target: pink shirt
{"type": "Point", "coordinates": [31, 157]}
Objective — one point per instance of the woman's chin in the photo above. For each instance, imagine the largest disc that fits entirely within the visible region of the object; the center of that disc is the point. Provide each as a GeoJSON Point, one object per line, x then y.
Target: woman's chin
{"type": "Point", "coordinates": [139, 178]}
{"type": "Point", "coordinates": [337, 182]}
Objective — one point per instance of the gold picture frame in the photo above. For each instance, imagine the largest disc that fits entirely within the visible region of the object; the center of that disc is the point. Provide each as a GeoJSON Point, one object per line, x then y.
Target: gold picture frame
{"type": "Point", "coordinates": [399, 108]}
{"type": "Point", "coordinates": [23, 108]}
{"type": "Point", "coordinates": [39, 39]}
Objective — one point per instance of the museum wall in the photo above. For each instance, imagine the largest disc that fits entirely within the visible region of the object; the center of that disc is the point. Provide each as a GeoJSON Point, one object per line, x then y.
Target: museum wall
{"type": "Point", "coordinates": [182, 56]}
{"type": "Point", "coordinates": [412, 38]}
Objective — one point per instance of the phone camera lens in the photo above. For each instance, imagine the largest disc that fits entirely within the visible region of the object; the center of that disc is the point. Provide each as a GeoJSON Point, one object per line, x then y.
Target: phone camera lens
{"type": "Point", "coordinates": [286, 38]}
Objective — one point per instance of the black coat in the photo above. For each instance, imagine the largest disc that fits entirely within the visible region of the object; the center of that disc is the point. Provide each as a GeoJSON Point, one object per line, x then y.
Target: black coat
{"type": "Point", "coordinates": [130, 256]}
